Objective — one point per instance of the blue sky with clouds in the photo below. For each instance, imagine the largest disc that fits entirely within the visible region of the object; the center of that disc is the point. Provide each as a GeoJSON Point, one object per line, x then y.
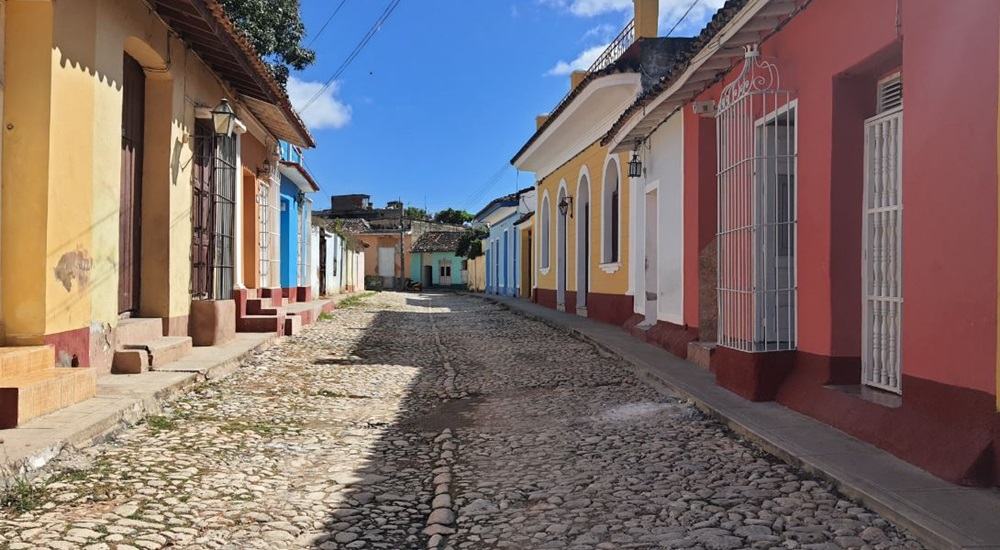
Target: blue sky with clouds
{"type": "Point", "coordinates": [447, 91]}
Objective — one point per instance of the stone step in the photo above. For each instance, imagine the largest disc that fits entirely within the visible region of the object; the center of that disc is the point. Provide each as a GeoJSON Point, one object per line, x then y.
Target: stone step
{"type": "Point", "coordinates": [293, 324]}
{"type": "Point", "coordinates": [274, 294]}
{"type": "Point", "coordinates": [32, 395]}
{"type": "Point", "coordinates": [130, 361]}
{"type": "Point", "coordinates": [138, 331]}
{"type": "Point", "coordinates": [262, 306]}
{"type": "Point", "coordinates": [700, 353]}
{"type": "Point", "coordinates": [165, 350]}
{"type": "Point", "coordinates": [21, 360]}
{"type": "Point", "coordinates": [261, 323]}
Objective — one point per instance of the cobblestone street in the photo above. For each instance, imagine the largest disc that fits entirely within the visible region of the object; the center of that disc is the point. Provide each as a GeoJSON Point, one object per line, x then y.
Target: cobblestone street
{"type": "Point", "coordinates": [416, 421]}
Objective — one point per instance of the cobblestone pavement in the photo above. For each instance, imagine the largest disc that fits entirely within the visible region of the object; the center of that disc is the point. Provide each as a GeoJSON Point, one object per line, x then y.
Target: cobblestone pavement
{"type": "Point", "coordinates": [432, 421]}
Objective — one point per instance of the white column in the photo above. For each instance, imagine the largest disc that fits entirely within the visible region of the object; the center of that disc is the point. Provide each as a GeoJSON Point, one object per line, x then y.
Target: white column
{"type": "Point", "coordinates": [238, 208]}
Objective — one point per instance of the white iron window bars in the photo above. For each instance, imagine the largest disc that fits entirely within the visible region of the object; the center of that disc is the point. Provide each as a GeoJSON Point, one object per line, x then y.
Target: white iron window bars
{"type": "Point", "coordinates": [757, 179]}
{"type": "Point", "coordinates": [883, 247]}
{"type": "Point", "coordinates": [263, 198]}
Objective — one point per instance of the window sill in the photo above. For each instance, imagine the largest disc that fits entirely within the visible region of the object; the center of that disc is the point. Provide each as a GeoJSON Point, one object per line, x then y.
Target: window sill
{"type": "Point", "coordinates": [611, 267]}
{"type": "Point", "coordinates": [544, 271]}
{"type": "Point", "coordinates": [878, 397]}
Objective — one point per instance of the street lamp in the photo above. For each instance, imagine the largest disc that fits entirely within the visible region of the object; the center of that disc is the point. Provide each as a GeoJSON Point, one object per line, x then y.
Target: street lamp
{"type": "Point", "coordinates": [635, 165]}
{"type": "Point", "coordinates": [224, 119]}
{"type": "Point", "coordinates": [565, 204]}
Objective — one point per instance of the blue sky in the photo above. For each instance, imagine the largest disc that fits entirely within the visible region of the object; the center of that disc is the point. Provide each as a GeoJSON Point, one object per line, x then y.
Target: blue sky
{"type": "Point", "coordinates": [447, 90]}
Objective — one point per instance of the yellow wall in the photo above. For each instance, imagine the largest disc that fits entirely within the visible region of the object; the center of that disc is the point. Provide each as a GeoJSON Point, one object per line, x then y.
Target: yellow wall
{"type": "Point", "coordinates": [61, 164]}
{"type": "Point", "coordinates": [594, 159]}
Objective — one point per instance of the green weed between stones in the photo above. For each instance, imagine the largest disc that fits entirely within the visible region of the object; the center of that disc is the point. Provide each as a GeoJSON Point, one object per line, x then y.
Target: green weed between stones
{"type": "Point", "coordinates": [20, 495]}
{"type": "Point", "coordinates": [161, 423]}
{"type": "Point", "coordinates": [354, 301]}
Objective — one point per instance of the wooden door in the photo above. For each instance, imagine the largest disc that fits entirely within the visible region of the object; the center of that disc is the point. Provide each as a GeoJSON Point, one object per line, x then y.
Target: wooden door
{"type": "Point", "coordinates": [203, 220]}
{"type": "Point", "coordinates": [130, 220]}
{"type": "Point", "coordinates": [322, 265]}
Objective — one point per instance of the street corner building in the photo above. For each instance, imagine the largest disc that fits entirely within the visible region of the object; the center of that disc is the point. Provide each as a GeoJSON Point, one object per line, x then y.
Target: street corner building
{"type": "Point", "coordinates": [141, 195]}
{"type": "Point", "coordinates": [584, 226]}
{"type": "Point", "coordinates": [436, 263]}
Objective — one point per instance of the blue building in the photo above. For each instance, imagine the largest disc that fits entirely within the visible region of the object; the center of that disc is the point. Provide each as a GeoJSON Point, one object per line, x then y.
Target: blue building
{"type": "Point", "coordinates": [295, 224]}
{"type": "Point", "coordinates": [503, 249]}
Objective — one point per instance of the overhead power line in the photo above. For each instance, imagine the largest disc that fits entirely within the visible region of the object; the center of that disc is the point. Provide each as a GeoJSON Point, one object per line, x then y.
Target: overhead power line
{"type": "Point", "coordinates": [328, 19]}
{"type": "Point", "coordinates": [683, 17]}
{"type": "Point", "coordinates": [354, 53]}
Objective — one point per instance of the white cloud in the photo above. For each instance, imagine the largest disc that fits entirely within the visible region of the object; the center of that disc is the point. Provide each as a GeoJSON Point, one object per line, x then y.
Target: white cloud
{"type": "Point", "coordinates": [326, 112]}
{"type": "Point", "coordinates": [581, 63]}
{"type": "Point", "coordinates": [670, 11]}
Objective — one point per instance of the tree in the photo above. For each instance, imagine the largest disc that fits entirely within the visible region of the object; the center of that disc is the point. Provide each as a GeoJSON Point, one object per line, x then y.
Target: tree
{"type": "Point", "coordinates": [414, 213]}
{"type": "Point", "coordinates": [275, 29]}
{"type": "Point", "coordinates": [470, 244]}
{"type": "Point", "coordinates": [452, 216]}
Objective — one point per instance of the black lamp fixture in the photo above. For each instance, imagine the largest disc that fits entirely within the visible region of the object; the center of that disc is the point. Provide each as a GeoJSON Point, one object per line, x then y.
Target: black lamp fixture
{"type": "Point", "coordinates": [264, 169]}
{"type": "Point", "coordinates": [635, 165]}
{"type": "Point", "coordinates": [565, 204]}
{"type": "Point", "coordinates": [224, 119]}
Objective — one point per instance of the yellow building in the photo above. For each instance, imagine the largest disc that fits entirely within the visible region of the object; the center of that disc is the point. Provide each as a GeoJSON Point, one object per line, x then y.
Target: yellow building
{"type": "Point", "coordinates": [581, 230]}
{"type": "Point", "coordinates": [120, 197]}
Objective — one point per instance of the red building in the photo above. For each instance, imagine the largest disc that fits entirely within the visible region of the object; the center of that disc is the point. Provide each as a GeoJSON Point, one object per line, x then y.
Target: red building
{"type": "Point", "coordinates": [840, 243]}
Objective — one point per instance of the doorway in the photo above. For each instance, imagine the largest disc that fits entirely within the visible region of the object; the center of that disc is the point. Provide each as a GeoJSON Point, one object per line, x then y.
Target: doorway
{"type": "Point", "coordinates": [652, 259]}
{"type": "Point", "coordinates": [130, 219]}
{"type": "Point", "coordinates": [583, 245]}
{"type": "Point", "coordinates": [428, 276]}
{"type": "Point", "coordinates": [322, 264]}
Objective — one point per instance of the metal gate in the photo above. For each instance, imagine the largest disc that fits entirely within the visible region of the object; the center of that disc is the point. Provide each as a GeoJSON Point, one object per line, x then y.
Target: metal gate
{"type": "Point", "coordinates": [757, 178]}
{"type": "Point", "coordinates": [883, 248]}
{"type": "Point", "coordinates": [130, 219]}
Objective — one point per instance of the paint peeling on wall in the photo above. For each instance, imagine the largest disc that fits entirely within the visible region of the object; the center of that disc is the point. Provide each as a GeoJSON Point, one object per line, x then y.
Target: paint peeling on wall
{"type": "Point", "coordinates": [74, 266]}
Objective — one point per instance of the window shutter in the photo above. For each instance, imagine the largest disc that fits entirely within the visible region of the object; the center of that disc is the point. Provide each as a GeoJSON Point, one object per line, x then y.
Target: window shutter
{"type": "Point", "coordinates": [890, 93]}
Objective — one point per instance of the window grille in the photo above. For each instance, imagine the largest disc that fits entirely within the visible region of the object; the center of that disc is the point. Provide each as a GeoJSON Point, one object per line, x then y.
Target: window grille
{"type": "Point", "coordinates": [202, 212]}
{"type": "Point", "coordinates": [224, 186]}
{"type": "Point", "coordinates": [757, 179]}
{"type": "Point", "coordinates": [883, 250]}
{"type": "Point", "coordinates": [263, 200]}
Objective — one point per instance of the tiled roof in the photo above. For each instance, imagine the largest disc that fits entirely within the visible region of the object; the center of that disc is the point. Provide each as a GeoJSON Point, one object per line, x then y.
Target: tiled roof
{"type": "Point", "coordinates": [721, 18]}
{"type": "Point", "coordinates": [506, 198]}
{"type": "Point", "coordinates": [208, 31]}
{"type": "Point", "coordinates": [351, 226]}
{"type": "Point", "coordinates": [524, 218]}
{"type": "Point", "coordinates": [437, 241]}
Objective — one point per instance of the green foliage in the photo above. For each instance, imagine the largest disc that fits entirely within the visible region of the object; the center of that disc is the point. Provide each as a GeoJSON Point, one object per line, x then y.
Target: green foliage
{"type": "Point", "coordinates": [161, 423]}
{"type": "Point", "coordinates": [457, 217]}
{"type": "Point", "coordinates": [414, 213]}
{"type": "Point", "coordinates": [470, 244]}
{"type": "Point", "coordinates": [354, 300]}
{"type": "Point", "coordinates": [21, 495]}
{"type": "Point", "coordinates": [275, 29]}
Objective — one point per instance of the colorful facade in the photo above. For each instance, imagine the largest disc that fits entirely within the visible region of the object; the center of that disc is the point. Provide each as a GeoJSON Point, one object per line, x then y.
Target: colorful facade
{"type": "Point", "coordinates": [503, 248]}
{"type": "Point", "coordinates": [122, 204]}
{"type": "Point", "coordinates": [800, 165]}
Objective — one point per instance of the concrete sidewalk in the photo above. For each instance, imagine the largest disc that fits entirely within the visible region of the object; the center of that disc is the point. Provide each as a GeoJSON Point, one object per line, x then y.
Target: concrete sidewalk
{"type": "Point", "coordinates": [121, 400]}
{"type": "Point", "coordinates": [942, 514]}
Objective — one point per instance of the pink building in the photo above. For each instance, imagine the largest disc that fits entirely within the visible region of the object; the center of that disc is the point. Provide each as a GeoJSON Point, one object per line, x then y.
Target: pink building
{"type": "Point", "coordinates": [845, 263]}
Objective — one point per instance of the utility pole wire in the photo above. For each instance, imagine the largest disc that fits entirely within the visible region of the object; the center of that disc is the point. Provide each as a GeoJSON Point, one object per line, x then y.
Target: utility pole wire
{"type": "Point", "coordinates": [328, 19]}
{"type": "Point", "coordinates": [354, 53]}
{"type": "Point", "coordinates": [683, 17]}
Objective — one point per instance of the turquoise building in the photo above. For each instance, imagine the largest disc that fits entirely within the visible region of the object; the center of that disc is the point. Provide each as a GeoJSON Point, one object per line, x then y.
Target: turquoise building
{"type": "Point", "coordinates": [434, 263]}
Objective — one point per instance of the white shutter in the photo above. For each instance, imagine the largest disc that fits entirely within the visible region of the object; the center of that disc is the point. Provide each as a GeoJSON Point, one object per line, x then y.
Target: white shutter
{"type": "Point", "coordinates": [890, 93]}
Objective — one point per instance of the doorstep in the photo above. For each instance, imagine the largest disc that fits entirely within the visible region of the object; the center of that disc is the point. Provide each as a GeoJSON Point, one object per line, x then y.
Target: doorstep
{"type": "Point", "coordinates": [942, 514]}
{"type": "Point", "coordinates": [122, 400]}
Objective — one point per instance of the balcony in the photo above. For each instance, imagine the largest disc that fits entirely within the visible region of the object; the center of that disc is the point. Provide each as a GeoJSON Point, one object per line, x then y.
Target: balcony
{"type": "Point", "coordinates": [616, 49]}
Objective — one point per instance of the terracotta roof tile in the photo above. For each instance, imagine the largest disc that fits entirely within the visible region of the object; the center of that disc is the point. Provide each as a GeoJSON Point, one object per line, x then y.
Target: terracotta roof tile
{"type": "Point", "coordinates": [437, 241]}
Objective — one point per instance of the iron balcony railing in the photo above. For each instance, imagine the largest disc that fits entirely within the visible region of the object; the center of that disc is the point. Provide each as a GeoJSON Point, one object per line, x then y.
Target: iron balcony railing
{"type": "Point", "coordinates": [617, 47]}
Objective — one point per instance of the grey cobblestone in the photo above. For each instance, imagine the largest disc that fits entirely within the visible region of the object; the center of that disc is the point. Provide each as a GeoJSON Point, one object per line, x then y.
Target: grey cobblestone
{"type": "Point", "coordinates": [441, 422]}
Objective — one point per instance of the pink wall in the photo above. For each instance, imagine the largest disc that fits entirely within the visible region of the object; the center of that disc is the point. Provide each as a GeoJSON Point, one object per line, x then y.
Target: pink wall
{"type": "Point", "coordinates": [950, 57]}
{"type": "Point", "coordinates": [832, 55]}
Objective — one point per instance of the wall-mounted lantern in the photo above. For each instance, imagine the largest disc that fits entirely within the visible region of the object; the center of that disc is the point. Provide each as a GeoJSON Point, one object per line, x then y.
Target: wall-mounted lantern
{"type": "Point", "coordinates": [565, 204]}
{"type": "Point", "coordinates": [224, 119]}
{"type": "Point", "coordinates": [265, 169]}
{"type": "Point", "coordinates": [635, 165]}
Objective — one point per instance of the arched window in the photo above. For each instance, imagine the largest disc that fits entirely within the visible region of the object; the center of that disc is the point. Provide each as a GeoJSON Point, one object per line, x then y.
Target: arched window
{"type": "Point", "coordinates": [546, 233]}
{"type": "Point", "coordinates": [611, 207]}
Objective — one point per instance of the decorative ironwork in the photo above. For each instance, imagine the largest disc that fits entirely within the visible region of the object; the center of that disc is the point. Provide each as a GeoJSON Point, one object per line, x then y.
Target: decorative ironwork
{"type": "Point", "coordinates": [618, 46]}
{"type": "Point", "coordinates": [757, 178]}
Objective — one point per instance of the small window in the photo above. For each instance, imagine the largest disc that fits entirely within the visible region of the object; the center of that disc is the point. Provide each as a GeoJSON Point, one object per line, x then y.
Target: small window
{"type": "Point", "coordinates": [465, 265]}
{"type": "Point", "coordinates": [890, 93]}
{"type": "Point", "coordinates": [546, 233]}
